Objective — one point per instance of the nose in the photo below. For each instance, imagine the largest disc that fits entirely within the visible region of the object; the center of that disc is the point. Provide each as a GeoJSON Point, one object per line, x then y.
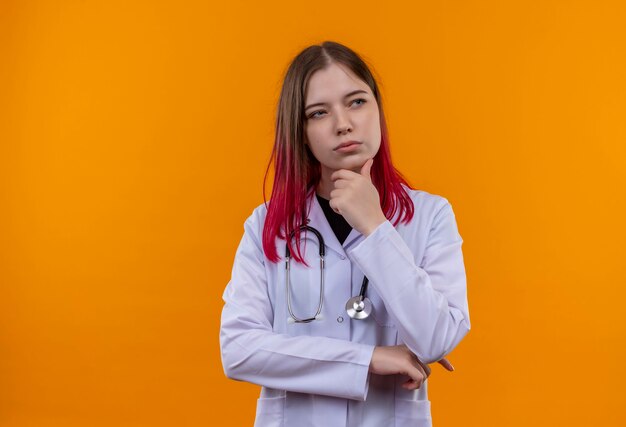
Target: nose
{"type": "Point", "coordinates": [343, 123]}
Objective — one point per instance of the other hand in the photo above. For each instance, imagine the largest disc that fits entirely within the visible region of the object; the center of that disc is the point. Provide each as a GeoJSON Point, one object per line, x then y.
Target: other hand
{"type": "Point", "coordinates": [398, 359]}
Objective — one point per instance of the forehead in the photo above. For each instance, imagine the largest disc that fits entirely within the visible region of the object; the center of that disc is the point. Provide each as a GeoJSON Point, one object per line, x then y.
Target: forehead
{"type": "Point", "coordinates": [333, 82]}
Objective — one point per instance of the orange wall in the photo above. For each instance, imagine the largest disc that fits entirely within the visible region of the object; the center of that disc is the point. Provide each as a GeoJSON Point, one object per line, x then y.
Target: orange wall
{"type": "Point", "coordinates": [133, 142]}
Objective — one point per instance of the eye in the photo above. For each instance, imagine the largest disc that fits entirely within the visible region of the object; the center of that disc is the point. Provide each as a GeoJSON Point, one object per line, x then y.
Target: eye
{"type": "Point", "coordinates": [363, 101]}
{"type": "Point", "coordinates": [313, 115]}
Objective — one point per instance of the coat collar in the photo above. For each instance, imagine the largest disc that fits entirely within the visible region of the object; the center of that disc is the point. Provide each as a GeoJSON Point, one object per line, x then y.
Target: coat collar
{"type": "Point", "coordinates": [317, 219]}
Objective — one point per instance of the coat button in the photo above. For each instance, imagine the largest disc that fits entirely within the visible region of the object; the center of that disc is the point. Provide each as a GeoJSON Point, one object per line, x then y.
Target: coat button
{"type": "Point", "coordinates": [342, 257]}
{"type": "Point", "coordinates": [339, 319]}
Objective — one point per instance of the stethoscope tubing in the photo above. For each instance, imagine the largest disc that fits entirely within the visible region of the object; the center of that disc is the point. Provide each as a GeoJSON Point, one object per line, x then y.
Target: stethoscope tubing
{"type": "Point", "coordinates": [358, 307]}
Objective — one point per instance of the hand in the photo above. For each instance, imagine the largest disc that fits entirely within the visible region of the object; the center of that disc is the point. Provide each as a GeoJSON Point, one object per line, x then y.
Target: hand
{"type": "Point", "coordinates": [356, 198]}
{"type": "Point", "coordinates": [398, 359]}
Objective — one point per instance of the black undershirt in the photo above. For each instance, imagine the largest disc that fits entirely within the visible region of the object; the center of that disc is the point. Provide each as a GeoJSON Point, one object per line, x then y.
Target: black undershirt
{"type": "Point", "coordinates": [337, 222]}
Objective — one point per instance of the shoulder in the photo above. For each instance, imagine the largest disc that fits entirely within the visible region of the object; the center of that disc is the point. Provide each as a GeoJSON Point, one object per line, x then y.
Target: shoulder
{"type": "Point", "coordinates": [426, 204]}
{"type": "Point", "coordinates": [256, 219]}
{"type": "Point", "coordinates": [433, 214]}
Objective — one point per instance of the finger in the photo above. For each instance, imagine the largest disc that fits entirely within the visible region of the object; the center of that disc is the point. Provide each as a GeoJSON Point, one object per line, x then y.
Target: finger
{"type": "Point", "coordinates": [417, 375]}
{"type": "Point", "coordinates": [425, 367]}
{"type": "Point", "coordinates": [410, 384]}
{"type": "Point", "coordinates": [336, 194]}
{"type": "Point", "coordinates": [446, 364]}
{"type": "Point", "coordinates": [341, 183]}
{"type": "Point", "coordinates": [343, 174]}
{"type": "Point", "coordinates": [367, 167]}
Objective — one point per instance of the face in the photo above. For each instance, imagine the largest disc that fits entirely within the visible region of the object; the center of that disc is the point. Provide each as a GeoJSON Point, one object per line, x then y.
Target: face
{"type": "Point", "coordinates": [339, 107]}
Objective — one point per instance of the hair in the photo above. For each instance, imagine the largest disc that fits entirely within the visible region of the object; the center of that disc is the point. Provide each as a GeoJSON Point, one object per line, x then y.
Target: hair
{"type": "Point", "coordinates": [297, 172]}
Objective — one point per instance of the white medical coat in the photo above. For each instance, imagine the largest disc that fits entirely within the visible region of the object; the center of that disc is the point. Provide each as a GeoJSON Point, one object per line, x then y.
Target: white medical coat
{"type": "Point", "coordinates": [316, 374]}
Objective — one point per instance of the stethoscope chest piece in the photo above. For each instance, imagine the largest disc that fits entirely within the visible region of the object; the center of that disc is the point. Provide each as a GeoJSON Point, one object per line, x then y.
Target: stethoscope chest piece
{"type": "Point", "coordinates": [359, 307]}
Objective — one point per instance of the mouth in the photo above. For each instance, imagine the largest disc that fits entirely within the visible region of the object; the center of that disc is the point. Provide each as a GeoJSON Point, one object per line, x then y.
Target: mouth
{"type": "Point", "coordinates": [347, 144]}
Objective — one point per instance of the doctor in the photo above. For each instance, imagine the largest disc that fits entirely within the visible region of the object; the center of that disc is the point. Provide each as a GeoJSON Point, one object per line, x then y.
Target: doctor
{"type": "Point", "coordinates": [287, 326]}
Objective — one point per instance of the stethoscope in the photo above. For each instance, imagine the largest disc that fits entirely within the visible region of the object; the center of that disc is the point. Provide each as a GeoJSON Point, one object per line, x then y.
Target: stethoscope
{"type": "Point", "coordinates": [358, 307]}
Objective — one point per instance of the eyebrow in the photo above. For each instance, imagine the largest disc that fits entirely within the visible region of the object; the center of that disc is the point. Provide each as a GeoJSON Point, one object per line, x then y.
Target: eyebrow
{"type": "Point", "coordinates": [354, 92]}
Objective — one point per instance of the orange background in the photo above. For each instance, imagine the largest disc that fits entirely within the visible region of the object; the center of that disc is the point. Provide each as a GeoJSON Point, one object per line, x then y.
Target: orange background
{"type": "Point", "coordinates": [133, 141]}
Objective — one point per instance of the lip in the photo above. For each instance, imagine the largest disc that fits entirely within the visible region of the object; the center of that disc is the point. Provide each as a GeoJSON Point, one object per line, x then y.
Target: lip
{"type": "Point", "coordinates": [347, 146]}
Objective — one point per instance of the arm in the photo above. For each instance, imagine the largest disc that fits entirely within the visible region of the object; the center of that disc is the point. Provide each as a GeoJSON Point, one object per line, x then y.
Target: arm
{"type": "Point", "coordinates": [429, 304]}
{"type": "Point", "coordinates": [252, 352]}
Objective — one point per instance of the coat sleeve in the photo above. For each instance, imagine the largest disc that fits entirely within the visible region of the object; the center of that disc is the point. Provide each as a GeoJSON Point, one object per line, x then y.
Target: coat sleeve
{"type": "Point", "coordinates": [251, 351]}
{"type": "Point", "coordinates": [427, 304]}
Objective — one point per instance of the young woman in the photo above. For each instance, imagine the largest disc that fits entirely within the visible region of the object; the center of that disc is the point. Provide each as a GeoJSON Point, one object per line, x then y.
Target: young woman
{"type": "Point", "coordinates": [350, 282]}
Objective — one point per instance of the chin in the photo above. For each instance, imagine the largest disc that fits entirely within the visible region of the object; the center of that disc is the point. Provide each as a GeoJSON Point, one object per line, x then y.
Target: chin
{"type": "Point", "coordinates": [357, 161]}
{"type": "Point", "coordinates": [353, 162]}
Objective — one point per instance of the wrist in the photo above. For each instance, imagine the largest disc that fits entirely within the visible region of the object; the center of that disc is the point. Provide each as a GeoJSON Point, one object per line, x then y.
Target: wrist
{"type": "Point", "coordinates": [371, 366]}
{"type": "Point", "coordinates": [374, 225]}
